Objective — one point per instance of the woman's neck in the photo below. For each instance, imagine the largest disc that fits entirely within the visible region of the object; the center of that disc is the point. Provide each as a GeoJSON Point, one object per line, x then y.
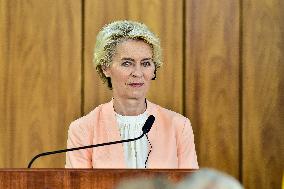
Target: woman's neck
{"type": "Point", "coordinates": [129, 107]}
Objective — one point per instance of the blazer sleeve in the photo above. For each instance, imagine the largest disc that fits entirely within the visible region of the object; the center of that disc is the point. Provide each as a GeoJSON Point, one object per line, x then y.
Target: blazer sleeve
{"type": "Point", "coordinates": [78, 136]}
{"type": "Point", "coordinates": [187, 158]}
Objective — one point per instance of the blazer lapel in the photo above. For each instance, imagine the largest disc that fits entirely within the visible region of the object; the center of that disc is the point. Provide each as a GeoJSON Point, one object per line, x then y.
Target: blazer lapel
{"type": "Point", "coordinates": [152, 135]}
{"type": "Point", "coordinates": [116, 154]}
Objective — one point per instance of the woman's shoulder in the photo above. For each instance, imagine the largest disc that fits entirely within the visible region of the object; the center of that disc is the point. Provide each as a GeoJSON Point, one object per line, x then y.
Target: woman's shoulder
{"type": "Point", "coordinates": [86, 121]}
{"type": "Point", "coordinates": [172, 120]}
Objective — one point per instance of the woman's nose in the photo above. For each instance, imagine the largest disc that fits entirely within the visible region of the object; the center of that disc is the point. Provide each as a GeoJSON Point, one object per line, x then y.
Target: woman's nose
{"type": "Point", "coordinates": [137, 71]}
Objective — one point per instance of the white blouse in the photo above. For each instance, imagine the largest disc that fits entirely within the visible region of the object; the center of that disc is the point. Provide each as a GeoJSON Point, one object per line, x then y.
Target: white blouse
{"type": "Point", "coordinates": [135, 152]}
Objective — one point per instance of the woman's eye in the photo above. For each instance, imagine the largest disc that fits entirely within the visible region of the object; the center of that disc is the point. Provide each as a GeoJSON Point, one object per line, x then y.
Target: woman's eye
{"type": "Point", "coordinates": [126, 64]}
{"type": "Point", "coordinates": [145, 64]}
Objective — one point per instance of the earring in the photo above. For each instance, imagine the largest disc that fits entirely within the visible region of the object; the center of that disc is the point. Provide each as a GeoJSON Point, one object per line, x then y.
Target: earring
{"type": "Point", "coordinates": [154, 75]}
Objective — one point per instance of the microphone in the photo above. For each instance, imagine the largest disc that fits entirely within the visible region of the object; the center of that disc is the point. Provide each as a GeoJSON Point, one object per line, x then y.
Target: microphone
{"type": "Point", "coordinates": [148, 124]}
{"type": "Point", "coordinates": [146, 128]}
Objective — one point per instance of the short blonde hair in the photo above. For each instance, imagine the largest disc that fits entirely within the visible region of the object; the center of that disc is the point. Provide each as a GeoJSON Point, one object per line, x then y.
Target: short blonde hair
{"type": "Point", "coordinates": [116, 32]}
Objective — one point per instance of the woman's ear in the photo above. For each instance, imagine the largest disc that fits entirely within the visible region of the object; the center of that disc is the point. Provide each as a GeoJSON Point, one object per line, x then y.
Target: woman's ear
{"type": "Point", "coordinates": [106, 70]}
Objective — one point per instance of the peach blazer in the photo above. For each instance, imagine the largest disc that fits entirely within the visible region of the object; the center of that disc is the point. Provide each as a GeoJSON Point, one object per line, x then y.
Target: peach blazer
{"type": "Point", "coordinates": [171, 138]}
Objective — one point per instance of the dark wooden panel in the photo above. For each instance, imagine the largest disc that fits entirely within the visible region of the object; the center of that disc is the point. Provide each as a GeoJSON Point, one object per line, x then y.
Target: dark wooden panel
{"type": "Point", "coordinates": [165, 19]}
{"type": "Point", "coordinates": [81, 178]}
{"type": "Point", "coordinates": [40, 78]}
{"type": "Point", "coordinates": [263, 89]}
{"type": "Point", "coordinates": [212, 81]}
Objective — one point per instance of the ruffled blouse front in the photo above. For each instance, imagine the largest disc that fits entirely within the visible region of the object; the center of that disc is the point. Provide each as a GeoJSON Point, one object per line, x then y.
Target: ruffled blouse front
{"type": "Point", "coordinates": [135, 152]}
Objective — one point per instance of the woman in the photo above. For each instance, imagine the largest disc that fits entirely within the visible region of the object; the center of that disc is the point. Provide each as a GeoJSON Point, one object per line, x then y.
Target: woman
{"type": "Point", "coordinates": [127, 55]}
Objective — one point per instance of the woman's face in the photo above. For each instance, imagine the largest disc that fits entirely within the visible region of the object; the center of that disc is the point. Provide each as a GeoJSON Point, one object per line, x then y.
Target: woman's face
{"type": "Point", "coordinates": [131, 70]}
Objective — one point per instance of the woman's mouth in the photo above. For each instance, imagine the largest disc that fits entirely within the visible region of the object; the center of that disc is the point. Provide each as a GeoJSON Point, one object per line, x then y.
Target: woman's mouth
{"type": "Point", "coordinates": [136, 84]}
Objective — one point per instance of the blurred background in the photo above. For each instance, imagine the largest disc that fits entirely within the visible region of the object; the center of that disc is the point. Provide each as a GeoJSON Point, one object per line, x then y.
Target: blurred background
{"type": "Point", "coordinates": [223, 69]}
